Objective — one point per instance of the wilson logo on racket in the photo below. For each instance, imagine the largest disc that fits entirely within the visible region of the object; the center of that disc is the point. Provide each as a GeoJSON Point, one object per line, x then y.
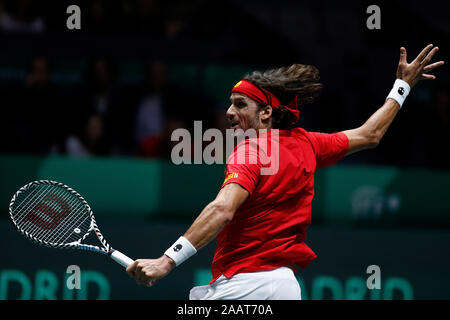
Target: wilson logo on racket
{"type": "Point", "coordinates": [53, 216]}
{"type": "Point", "coordinates": [59, 218]}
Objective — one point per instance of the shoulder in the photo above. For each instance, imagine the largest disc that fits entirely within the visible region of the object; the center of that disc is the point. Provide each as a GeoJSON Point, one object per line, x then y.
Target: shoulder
{"type": "Point", "coordinates": [300, 132]}
{"type": "Point", "coordinates": [309, 136]}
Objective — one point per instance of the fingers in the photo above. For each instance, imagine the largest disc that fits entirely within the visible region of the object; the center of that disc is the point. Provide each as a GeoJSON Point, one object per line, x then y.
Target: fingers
{"type": "Point", "coordinates": [433, 66]}
{"type": "Point", "coordinates": [132, 268]}
{"type": "Point", "coordinates": [141, 273]}
{"type": "Point", "coordinates": [428, 76]}
{"type": "Point", "coordinates": [423, 54]}
{"type": "Point", "coordinates": [429, 56]}
{"type": "Point", "coordinates": [142, 278]}
{"type": "Point", "coordinates": [430, 67]}
{"type": "Point", "coordinates": [403, 55]}
{"type": "Point", "coordinates": [145, 278]}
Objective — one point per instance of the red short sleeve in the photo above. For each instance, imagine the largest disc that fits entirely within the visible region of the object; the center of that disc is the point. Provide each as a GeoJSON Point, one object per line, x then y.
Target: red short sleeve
{"type": "Point", "coordinates": [243, 166]}
{"type": "Point", "coordinates": [329, 148]}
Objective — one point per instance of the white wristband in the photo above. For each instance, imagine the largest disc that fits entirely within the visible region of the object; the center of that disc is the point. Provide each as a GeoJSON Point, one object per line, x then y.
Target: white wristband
{"type": "Point", "coordinates": [180, 251]}
{"type": "Point", "coordinates": [399, 91]}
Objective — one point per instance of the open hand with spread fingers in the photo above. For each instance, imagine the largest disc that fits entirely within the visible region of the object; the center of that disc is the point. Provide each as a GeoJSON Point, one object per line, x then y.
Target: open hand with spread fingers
{"type": "Point", "coordinates": [419, 68]}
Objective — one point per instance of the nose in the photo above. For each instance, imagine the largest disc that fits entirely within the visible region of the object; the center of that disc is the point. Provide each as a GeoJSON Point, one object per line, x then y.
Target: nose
{"type": "Point", "coordinates": [230, 113]}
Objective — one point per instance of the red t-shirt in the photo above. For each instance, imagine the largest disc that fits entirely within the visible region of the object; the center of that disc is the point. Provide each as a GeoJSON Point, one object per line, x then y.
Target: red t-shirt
{"type": "Point", "coordinates": [269, 229]}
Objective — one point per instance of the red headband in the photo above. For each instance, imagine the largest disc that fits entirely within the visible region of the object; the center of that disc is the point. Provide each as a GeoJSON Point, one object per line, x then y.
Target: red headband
{"type": "Point", "coordinates": [263, 96]}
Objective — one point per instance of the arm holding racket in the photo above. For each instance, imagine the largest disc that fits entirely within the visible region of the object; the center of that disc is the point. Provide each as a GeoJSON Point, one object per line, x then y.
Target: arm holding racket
{"type": "Point", "coordinates": [204, 229]}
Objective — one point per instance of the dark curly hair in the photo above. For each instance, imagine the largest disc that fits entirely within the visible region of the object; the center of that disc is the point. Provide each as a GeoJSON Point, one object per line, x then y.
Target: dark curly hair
{"type": "Point", "coordinates": [286, 83]}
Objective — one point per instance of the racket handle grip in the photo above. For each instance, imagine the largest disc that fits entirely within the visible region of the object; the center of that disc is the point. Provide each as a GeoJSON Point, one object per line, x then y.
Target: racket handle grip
{"type": "Point", "coordinates": [121, 259]}
{"type": "Point", "coordinates": [125, 261]}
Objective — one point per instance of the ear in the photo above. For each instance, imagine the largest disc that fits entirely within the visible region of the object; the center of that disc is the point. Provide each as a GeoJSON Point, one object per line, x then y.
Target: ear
{"type": "Point", "coordinates": [265, 113]}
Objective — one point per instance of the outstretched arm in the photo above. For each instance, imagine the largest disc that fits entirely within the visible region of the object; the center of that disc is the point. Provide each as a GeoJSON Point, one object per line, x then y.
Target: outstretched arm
{"type": "Point", "coordinates": [370, 133]}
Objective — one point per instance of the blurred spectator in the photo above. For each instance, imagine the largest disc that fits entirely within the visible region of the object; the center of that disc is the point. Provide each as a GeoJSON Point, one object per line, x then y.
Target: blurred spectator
{"type": "Point", "coordinates": [91, 141]}
{"type": "Point", "coordinates": [101, 96]}
{"type": "Point", "coordinates": [157, 103]}
{"type": "Point", "coordinates": [153, 104]}
{"type": "Point", "coordinates": [100, 81]}
{"type": "Point", "coordinates": [162, 108]}
{"type": "Point", "coordinates": [160, 145]}
{"type": "Point", "coordinates": [36, 110]}
{"type": "Point", "coordinates": [20, 16]}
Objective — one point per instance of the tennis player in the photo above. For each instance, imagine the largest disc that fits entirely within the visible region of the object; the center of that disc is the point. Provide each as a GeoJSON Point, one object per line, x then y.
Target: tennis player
{"type": "Point", "coordinates": [260, 221]}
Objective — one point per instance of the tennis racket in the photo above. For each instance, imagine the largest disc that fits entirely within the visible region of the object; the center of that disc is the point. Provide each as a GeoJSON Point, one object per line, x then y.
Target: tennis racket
{"type": "Point", "coordinates": [52, 214]}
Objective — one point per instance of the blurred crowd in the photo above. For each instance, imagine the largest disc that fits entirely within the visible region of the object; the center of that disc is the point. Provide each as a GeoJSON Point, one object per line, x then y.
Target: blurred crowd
{"type": "Point", "coordinates": [100, 16]}
{"type": "Point", "coordinates": [168, 18]}
{"type": "Point", "coordinates": [99, 115]}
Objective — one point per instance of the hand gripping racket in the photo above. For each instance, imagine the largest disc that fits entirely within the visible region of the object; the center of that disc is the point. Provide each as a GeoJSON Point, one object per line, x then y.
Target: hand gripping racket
{"type": "Point", "coordinates": [52, 214]}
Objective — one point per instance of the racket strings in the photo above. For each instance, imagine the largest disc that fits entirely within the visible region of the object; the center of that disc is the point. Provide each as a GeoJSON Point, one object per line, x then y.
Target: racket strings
{"type": "Point", "coordinates": [67, 228]}
{"type": "Point", "coordinates": [50, 216]}
{"type": "Point", "coordinates": [53, 214]}
{"type": "Point", "coordinates": [33, 220]}
{"type": "Point", "coordinates": [32, 210]}
{"type": "Point", "coordinates": [70, 233]}
{"type": "Point", "coordinates": [21, 212]}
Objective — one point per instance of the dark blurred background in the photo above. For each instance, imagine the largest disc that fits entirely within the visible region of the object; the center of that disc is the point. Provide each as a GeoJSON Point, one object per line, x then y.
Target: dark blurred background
{"type": "Point", "coordinates": [137, 69]}
{"type": "Point", "coordinates": [94, 108]}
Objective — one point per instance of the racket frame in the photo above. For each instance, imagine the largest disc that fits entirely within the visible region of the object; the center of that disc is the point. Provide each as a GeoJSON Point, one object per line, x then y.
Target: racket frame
{"type": "Point", "coordinates": [116, 255]}
{"type": "Point", "coordinates": [106, 249]}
